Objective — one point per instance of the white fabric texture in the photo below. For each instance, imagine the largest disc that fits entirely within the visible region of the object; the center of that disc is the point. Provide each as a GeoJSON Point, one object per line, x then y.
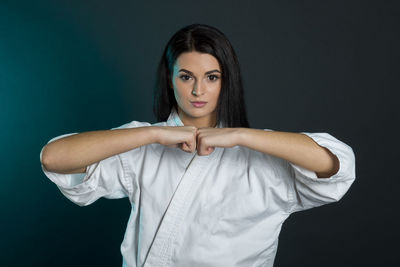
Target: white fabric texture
{"type": "Point", "coordinates": [224, 209]}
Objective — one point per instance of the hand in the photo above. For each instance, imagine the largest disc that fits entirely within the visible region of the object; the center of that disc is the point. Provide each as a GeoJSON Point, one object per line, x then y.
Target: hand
{"type": "Point", "coordinates": [183, 137]}
{"type": "Point", "coordinates": [209, 138]}
{"type": "Point", "coordinates": [190, 138]}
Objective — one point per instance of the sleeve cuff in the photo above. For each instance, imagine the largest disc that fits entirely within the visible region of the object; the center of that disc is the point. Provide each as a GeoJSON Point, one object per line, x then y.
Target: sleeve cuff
{"type": "Point", "coordinates": [74, 184]}
{"type": "Point", "coordinates": [341, 150]}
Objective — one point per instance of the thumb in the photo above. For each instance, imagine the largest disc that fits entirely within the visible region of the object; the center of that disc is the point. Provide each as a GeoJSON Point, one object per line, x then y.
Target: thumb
{"type": "Point", "coordinates": [187, 147]}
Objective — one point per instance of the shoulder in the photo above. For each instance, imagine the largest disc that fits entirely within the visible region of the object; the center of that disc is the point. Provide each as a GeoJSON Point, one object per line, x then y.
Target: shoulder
{"type": "Point", "coordinates": [133, 124]}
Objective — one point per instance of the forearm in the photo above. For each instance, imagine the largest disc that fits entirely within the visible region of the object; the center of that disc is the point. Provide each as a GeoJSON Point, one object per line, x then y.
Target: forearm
{"type": "Point", "coordinates": [297, 148]}
{"type": "Point", "coordinates": [80, 150]}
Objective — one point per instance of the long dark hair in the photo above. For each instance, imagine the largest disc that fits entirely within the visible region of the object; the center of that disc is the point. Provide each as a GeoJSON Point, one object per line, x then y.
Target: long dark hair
{"type": "Point", "coordinates": [231, 111]}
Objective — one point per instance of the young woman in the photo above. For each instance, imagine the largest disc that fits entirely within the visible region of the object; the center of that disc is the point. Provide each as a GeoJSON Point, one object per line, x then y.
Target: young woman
{"type": "Point", "coordinates": [205, 189]}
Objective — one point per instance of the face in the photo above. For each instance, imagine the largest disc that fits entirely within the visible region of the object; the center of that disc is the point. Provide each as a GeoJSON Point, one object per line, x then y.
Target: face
{"type": "Point", "coordinates": [196, 77]}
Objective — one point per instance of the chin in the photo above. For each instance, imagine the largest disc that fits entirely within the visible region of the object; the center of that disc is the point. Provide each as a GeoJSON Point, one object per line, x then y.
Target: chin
{"type": "Point", "coordinates": [193, 112]}
{"type": "Point", "coordinates": [197, 113]}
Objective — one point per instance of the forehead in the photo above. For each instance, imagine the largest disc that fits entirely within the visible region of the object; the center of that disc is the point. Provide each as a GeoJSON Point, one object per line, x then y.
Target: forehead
{"type": "Point", "coordinates": [196, 62]}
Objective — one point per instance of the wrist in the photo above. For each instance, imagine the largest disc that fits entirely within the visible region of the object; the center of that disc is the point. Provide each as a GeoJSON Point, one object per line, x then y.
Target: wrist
{"type": "Point", "coordinates": [241, 136]}
{"type": "Point", "coordinates": [154, 133]}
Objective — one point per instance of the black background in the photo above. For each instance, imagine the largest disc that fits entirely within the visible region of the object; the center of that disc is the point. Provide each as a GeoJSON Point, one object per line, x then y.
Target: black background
{"type": "Point", "coordinates": [315, 66]}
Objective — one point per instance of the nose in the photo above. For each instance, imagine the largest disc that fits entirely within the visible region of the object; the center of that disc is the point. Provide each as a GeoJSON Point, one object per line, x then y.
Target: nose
{"type": "Point", "coordinates": [197, 89]}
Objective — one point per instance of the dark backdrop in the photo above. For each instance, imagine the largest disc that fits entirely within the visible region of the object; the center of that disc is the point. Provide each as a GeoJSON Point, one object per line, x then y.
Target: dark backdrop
{"type": "Point", "coordinates": [317, 66]}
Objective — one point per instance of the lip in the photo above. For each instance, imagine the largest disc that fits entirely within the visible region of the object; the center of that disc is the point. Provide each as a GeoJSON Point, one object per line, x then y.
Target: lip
{"type": "Point", "coordinates": [198, 104]}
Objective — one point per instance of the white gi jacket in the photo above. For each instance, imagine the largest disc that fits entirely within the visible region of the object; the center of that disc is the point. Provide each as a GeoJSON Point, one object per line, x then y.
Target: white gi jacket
{"type": "Point", "coordinates": [224, 209]}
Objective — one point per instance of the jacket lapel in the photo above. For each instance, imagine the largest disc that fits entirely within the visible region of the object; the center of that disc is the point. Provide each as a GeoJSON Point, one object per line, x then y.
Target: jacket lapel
{"type": "Point", "coordinates": [161, 249]}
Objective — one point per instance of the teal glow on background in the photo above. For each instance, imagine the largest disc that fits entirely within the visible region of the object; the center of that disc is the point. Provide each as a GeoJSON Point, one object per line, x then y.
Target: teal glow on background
{"type": "Point", "coordinates": [55, 78]}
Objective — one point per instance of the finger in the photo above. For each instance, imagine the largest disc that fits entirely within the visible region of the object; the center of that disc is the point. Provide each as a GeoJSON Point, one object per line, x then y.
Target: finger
{"type": "Point", "coordinates": [207, 151]}
{"type": "Point", "coordinates": [193, 142]}
{"type": "Point", "coordinates": [189, 147]}
{"type": "Point", "coordinates": [202, 147]}
{"type": "Point", "coordinates": [185, 147]}
{"type": "Point", "coordinates": [198, 144]}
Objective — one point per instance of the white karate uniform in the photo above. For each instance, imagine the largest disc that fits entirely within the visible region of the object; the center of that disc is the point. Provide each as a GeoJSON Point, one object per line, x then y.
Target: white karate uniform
{"type": "Point", "coordinates": [224, 209]}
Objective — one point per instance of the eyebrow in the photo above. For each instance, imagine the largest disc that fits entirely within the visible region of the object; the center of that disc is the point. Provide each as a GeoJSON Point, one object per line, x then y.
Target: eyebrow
{"type": "Point", "coordinates": [191, 73]}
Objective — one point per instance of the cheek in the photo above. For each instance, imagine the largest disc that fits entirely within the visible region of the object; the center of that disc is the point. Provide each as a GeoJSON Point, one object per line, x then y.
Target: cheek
{"type": "Point", "coordinates": [179, 93]}
{"type": "Point", "coordinates": [216, 92]}
{"type": "Point", "coordinates": [179, 87]}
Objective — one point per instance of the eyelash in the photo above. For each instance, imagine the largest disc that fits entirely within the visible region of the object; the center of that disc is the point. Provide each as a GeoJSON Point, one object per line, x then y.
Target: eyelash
{"type": "Point", "coordinates": [185, 75]}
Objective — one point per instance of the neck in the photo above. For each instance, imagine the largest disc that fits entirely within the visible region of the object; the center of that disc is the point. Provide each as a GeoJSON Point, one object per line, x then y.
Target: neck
{"type": "Point", "coordinates": [202, 122]}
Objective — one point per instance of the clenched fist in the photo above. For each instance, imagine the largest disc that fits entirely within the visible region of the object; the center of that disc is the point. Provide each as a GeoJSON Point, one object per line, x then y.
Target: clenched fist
{"type": "Point", "coordinates": [183, 137]}
{"type": "Point", "coordinates": [204, 140]}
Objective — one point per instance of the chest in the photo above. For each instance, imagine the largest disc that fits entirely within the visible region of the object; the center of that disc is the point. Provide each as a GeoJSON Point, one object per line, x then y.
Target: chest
{"type": "Point", "coordinates": [231, 185]}
{"type": "Point", "coordinates": [192, 204]}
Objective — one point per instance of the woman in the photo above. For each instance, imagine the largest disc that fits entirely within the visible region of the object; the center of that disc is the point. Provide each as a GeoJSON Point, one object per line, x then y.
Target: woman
{"type": "Point", "coordinates": [205, 189]}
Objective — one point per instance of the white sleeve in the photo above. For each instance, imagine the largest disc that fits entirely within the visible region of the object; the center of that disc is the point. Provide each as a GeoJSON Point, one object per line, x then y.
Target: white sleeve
{"type": "Point", "coordinates": [308, 191]}
{"type": "Point", "coordinates": [109, 178]}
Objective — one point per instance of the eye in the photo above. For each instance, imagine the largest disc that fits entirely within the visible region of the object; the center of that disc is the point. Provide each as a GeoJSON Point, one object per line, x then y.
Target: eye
{"type": "Point", "coordinates": [184, 77]}
{"type": "Point", "coordinates": [213, 77]}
